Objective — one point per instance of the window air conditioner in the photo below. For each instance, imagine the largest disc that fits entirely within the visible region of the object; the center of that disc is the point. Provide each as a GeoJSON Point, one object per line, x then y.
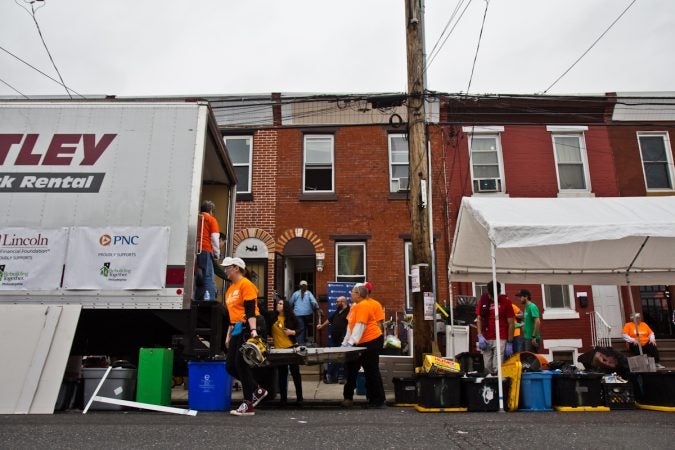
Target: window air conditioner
{"type": "Point", "coordinates": [403, 184]}
{"type": "Point", "coordinates": [487, 185]}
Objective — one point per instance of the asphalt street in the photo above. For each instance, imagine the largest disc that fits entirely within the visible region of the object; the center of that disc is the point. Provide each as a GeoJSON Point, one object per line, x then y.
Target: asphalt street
{"type": "Point", "coordinates": [322, 426]}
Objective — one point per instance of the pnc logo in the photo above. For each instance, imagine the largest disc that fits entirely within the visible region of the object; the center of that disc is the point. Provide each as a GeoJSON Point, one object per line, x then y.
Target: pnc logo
{"type": "Point", "coordinates": [106, 240]}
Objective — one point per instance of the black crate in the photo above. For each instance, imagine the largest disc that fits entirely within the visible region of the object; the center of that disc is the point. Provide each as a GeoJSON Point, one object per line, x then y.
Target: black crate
{"type": "Point", "coordinates": [618, 395]}
{"type": "Point", "coordinates": [577, 389]}
{"type": "Point", "coordinates": [656, 388]}
{"type": "Point", "coordinates": [470, 362]}
{"type": "Point", "coordinates": [405, 391]}
{"type": "Point", "coordinates": [439, 391]}
{"type": "Point", "coordinates": [482, 394]}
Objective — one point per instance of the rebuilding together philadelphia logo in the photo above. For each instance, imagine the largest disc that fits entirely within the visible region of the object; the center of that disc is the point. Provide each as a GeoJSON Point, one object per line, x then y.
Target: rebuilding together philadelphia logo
{"type": "Point", "coordinates": [106, 240]}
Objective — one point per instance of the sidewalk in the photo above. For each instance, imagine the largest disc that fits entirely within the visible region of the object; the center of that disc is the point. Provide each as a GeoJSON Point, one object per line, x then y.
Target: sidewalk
{"type": "Point", "coordinates": [314, 393]}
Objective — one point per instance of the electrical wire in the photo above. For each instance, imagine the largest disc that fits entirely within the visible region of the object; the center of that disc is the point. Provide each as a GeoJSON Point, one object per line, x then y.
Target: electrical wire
{"type": "Point", "coordinates": [40, 72]}
{"type": "Point", "coordinates": [589, 48]}
{"type": "Point", "coordinates": [14, 89]}
{"type": "Point", "coordinates": [480, 37]}
{"type": "Point", "coordinates": [433, 55]}
{"type": "Point", "coordinates": [32, 12]}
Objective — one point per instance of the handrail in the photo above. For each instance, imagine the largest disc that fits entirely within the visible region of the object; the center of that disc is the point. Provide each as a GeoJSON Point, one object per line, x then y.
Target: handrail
{"type": "Point", "coordinates": [601, 331]}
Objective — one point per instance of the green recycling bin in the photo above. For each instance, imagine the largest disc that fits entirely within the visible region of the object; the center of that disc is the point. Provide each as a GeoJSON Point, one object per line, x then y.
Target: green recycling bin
{"type": "Point", "coordinates": [155, 371]}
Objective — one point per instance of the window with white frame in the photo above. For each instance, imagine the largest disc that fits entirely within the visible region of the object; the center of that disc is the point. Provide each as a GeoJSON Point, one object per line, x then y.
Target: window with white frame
{"type": "Point", "coordinates": [318, 174]}
{"type": "Point", "coordinates": [398, 163]}
{"type": "Point", "coordinates": [350, 264]}
{"type": "Point", "coordinates": [240, 149]}
{"type": "Point", "coordinates": [657, 160]}
{"type": "Point", "coordinates": [481, 288]}
{"type": "Point", "coordinates": [571, 163]}
{"type": "Point", "coordinates": [559, 302]}
{"type": "Point", "coordinates": [407, 249]}
{"type": "Point", "coordinates": [486, 162]}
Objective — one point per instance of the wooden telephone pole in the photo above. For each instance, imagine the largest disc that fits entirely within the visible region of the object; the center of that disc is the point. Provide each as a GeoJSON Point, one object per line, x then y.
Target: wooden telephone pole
{"type": "Point", "coordinates": [418, 175]}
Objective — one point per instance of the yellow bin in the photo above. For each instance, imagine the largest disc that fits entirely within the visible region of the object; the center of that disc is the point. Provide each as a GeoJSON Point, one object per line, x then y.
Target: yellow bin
{"type": "Point", "coordinates": [513, 368]}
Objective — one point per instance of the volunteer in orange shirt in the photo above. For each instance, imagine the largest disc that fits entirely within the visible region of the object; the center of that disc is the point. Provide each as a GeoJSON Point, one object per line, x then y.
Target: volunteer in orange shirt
{"type": "Point", "coordinates": [517, 325]}
{"type": "Point", "coordinates": [364, 331]}
{"type": "Point", "coordinates": [647, 340]}
{"type": "Point", "coordinates": [208, 249]}
{"type": "Point", "coordinates": [241, 300]}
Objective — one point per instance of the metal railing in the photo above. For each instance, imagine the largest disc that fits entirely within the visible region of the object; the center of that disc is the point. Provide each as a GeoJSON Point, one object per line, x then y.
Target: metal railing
{"type": "Point", "coordinates": [601, 331]}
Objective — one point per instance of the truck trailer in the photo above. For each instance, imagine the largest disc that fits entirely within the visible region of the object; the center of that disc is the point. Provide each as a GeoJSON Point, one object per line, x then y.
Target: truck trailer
{"type": "Point", "coordinates": [100, 202]}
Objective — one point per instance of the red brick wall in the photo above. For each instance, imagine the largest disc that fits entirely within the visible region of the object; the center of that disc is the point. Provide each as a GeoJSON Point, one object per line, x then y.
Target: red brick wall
{"type": "Point", "coordinates": [363, 206]}
{"type": "Point", "coordinates": [261, 211]}
{"type": "Point", "coordinates": [626, 151]}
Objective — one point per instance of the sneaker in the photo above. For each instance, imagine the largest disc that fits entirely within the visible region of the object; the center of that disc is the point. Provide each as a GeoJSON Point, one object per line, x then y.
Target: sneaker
{"type": "Point", "coordinates": [660, 366]}
{"type": "Point", "coordinates": [245, 409]}
{"type": "Point", "coordinates": [347, 403]}
{"type": "Point", "coordinates": [258, 395]}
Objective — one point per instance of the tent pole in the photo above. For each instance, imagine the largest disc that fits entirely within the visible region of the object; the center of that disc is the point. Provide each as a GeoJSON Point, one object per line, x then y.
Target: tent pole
{"type": "Point", "coordinates": [630, 293]}
{"type": "Point", "coordinates": [499, 342]}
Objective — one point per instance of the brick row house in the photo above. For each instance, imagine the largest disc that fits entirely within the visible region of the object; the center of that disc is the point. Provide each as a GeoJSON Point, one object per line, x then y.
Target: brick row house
{"type": "Point", "coordinates": [323, 193]}
{"type": "Point", "coordinates": [641, 131]}
{"type": "Point", "coordinates": [323, 188]}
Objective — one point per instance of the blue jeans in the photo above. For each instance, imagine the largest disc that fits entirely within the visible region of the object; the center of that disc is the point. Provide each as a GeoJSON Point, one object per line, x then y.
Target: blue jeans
{"type": "Point", "coordinates": [205, 263]}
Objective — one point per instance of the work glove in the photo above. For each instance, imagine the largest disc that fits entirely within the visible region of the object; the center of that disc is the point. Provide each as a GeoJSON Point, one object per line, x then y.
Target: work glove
{"type": "Point", "coordinates": [482, 342]}
{"type": "Point", "coordinates": [508, 349]}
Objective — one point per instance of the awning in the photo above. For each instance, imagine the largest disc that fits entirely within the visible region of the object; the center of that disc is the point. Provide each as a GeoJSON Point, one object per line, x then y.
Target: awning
{"type": "Point", "coordinates": [566, 240]}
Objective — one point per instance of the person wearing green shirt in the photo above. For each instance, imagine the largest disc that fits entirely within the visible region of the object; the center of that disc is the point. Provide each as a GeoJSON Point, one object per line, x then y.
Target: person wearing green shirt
{"type": "Point", "coordinates": [531, 322]}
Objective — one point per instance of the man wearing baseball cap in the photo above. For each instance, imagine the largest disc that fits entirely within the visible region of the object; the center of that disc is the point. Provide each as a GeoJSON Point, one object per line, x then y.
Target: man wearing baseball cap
{"type": "Point", "coordinates": [304, 304]}
{"type": "Point", "coordinates": [531, 322]}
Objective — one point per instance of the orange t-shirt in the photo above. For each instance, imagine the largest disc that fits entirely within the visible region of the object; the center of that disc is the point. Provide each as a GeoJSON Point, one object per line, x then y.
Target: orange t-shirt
{"type": "Point", "coordinates": [239, 292]}
{"type": "Point", "coordinates": [380, 316]}
{"type": "Point", "coordinates": [369, 312]}
{"type": "Point", "coordinates": [206, 226]}
{"type": "Point", "coordinates": [643, 328]}
{"type": "Point", "coordinates": [516, 310]}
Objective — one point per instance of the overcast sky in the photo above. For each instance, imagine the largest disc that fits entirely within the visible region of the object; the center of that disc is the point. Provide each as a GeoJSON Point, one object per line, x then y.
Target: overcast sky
{"type": "Point", "coordinates": [190, 47]}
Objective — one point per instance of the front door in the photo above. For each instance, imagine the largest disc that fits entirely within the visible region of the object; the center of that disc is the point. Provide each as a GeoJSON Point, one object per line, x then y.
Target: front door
{"type": "Point", "coordinates": [607, 304]}
{"type": "Point", "coordinates": [657, 310]}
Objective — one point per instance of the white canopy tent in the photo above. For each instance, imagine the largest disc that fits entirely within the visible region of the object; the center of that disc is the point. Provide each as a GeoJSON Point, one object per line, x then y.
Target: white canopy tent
{"type": "Point", "coordinates": [617, 240]}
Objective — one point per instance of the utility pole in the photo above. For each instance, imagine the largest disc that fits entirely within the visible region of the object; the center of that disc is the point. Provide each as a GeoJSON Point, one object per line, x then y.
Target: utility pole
{"type": "Point", "coordinates": [418, 176]}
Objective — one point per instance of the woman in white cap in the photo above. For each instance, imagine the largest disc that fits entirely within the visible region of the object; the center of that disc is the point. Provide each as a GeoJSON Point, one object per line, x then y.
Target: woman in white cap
{"type": "Point", "coordinates": [241, 300]}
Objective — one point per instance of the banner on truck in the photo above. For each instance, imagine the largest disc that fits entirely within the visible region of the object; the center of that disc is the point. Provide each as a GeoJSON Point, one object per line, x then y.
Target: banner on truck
{"type": "Point", "coordinates": [32, 259]}
{"type": "Point", "coordinates": [117, 258]}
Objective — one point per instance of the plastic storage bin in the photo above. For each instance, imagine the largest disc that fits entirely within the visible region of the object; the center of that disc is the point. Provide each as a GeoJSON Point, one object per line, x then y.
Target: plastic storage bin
{"type": "Point", "coordinates": [405, 391]}
{"type": "Point", "coordinates": [655, 388]}
{"type": "Point", "coordinates": [209, 386]}
{"type": "Point", "coordinates": [120, 384]}
{"type": "Point", "coordinates": [535, 391]}
{"type": "Point", "coordinates": [482, 394]}
{"type": "Point", "coordinates": [439, 391]}
{"type": "Point", "coordinates": [618, 395]}
{"type": "Point", "coordinates": [470, 362]}
{"type": "Point", "coordinates": [577, 390]}
{"type": "Point", "coordinates": [155, 370]}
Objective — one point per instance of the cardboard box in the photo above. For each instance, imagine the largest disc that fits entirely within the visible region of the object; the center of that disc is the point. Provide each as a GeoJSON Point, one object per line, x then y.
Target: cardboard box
{"type": "Point", "coordinates": [435, 365]}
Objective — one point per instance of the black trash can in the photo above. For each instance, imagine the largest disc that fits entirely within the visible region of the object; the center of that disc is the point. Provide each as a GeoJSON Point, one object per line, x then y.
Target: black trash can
{"type": "Point", "coordinates": [577, 389]}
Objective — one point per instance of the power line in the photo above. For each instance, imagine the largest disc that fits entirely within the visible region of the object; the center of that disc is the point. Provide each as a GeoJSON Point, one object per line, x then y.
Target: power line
{"type": "Point", "coordinates": [433, 57]}
{"type": "Point", "coordinates": [589, 48]}
{"type": "Point", "coordinates": [14, 89]}
{"type": "Point", "coordinates": [41, 72]}
{"type": "Point", "coordinates": [480, 36]}
{"type": "Point", "coordinates": [32, 12]}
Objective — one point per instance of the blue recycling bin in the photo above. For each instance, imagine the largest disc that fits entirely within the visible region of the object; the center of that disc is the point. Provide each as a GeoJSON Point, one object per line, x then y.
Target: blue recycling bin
{"type": "Point", "coordinates": [535, 391]}
{"type": "Point", "coordinates": [209, 386]}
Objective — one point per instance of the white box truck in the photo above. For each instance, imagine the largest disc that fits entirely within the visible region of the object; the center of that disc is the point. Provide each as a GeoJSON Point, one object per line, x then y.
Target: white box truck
{"type": "Point", "coordinates": [99, 203]}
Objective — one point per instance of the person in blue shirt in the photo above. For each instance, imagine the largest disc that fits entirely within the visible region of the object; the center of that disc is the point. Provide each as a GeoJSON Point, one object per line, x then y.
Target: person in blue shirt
{"type": "Point", "coordinates": [304, 304]}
